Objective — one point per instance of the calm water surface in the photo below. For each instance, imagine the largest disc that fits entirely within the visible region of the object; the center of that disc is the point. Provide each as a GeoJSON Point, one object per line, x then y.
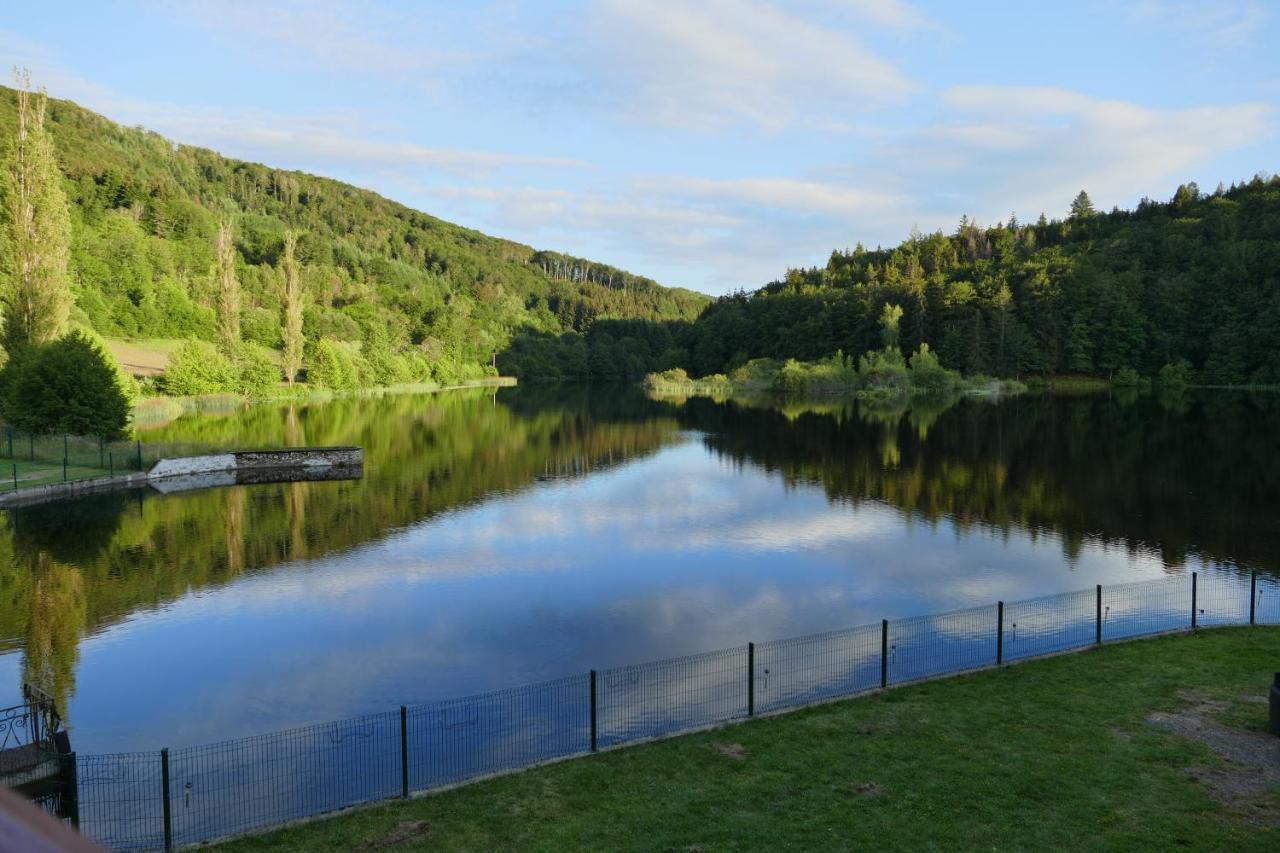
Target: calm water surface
{"type": "Point", "coordinates": [498, 539]}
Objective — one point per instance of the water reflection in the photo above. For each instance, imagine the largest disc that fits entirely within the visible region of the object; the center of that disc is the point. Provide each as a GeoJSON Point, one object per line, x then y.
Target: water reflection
{"type": "Point", "coordinates": [496, 540]}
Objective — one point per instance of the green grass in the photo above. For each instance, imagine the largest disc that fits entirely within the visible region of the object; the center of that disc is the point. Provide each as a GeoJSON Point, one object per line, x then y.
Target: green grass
{"type": "Point", "coordinates": [39, 473]}
{"type": "Point", "coordinates": [1050, 754]}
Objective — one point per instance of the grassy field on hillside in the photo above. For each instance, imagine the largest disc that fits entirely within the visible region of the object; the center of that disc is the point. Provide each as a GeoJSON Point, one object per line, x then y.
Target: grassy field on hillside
{"type": "Point", "coordinates": [143, 358]}
{"type": "Point", "coordinates": [1155, 744]}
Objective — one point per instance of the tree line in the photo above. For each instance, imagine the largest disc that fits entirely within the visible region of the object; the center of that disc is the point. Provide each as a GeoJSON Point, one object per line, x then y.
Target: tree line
{"type": "Point", "coordinates": [267, 275]}
{"type": "Point", "coordinates": [1190, 284]}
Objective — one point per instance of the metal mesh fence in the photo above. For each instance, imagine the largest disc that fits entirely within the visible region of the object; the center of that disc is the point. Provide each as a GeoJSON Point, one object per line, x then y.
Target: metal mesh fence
{"type": "Point", "coordinates": [1146, 607]}
{"type": "Point", "coordinates": [27, 459]}
{"type": "Point", "coordinates": [654, 699]}
{"type": "Point", "coordinates": [239, 785]}
{"type": "Point", "coordinates": [453, 741]}
{"type": "Point", "coordinates": [1221, 600]}
{"type": "Point", "coordinates": [254, 783]}
{"type": "Point", "coordinates": [120, 799]}
{"type": "Point", "coordinates": [809, 669]}
{"type": "Point", "coordinates": [1050, 624]}
{"type": "Point", "coordinates": [926, 646]}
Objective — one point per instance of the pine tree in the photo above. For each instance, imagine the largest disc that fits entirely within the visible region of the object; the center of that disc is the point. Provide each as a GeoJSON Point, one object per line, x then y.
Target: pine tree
{"type": "Point", "coordinates": [1082, 207]}
{"type": "Point", "coordinates": [35, 235]}
{"type": "Point", "coordinates": [291, 333]}
{"type": "Point", "coordinates": [228, 291]}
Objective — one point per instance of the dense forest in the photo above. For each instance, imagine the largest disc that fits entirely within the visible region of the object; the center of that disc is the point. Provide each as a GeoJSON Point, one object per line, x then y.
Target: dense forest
{"type": "Point", "coordinates": [377, 276]}
{"type": "Point", "coordinates": [1195, 279]}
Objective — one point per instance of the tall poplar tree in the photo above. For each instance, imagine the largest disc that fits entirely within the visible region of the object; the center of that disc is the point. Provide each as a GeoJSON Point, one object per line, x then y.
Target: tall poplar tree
{"type": "Point", "coordinates": [228, 290]}
{"type": "Point", "coordinates": [35, 235]}
{"type": "Point", "coordinates": [291, 333]}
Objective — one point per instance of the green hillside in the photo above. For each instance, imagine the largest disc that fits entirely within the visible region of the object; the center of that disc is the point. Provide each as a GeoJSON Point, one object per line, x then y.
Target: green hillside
{"type": "Point", "coordinates": [1195, 279]}
{"type": "Point", "coordinates": [376, 274]}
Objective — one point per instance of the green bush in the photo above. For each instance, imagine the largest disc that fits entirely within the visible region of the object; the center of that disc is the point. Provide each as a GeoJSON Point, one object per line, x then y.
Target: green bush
{"type": "Point", "coordinates": [927, 374]}
{"type": "Point", "coordinates": [197, 367]}
{"type": "Point", "coordinates": [1127, 377]}
{"type": "Point", "coordinates": [1175, 374]}
{"type": "Point", "coordinates": [68, 386]}
{"type": "Point", "coordinates": [257, 373]}
{"type": "Point", "coordinates": [884, 371]}
{"type": "Point", "coordinates": [338, 366]}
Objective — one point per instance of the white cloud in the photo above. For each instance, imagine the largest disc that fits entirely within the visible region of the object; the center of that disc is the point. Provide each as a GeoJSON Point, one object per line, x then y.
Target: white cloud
{"type": "Point", "coordinates": [1223, 23]}
{"type": "Point", "coordinates": [1033, 148]}
{"type": "Point", "coordinates": [326, 33]}
{"type": "Point", "coordinates": [895, 14]}
{"type": "Point", "coordinates": [719, 63]}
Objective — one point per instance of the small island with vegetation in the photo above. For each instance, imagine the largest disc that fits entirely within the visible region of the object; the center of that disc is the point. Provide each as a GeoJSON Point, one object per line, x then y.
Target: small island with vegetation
{"type": "Point", "coordinates": [880, 375]}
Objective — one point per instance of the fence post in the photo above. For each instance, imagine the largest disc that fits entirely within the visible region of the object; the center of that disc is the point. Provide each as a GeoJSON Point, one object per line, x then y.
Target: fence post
{"type": "Point", "coordinates": [1253, 593]}
{"type": "Point", "coordinates": [102, 449]}
{"type": "Point", "coordinates": [111, 464]}
{"type": "Point", "coordinates": [164, 788]}
{"type": "Point", "coordinates": [32, 440]}
{"type": "Point", "coordinates": [70, 789]}
{"type": "Point", "coordinates": [139, 454]}
{"type": "Point", "coordinates": [751, 679]}
{"type": "Point", "coordinates": [15, 476]}
{"type": "Point", "coordinates": [64, 469]}
{"type": "Point", "coordinates": [884, 653]}
{"type": "Point", "coordinates": [404, 752]}
{"type": "Point", "coordinates": [999, 632]}
{"type": "Point", "coordinates": [1099, 618]}
{"type": "Point", "coordinates": [1193, 601]}
{"type": "Point", "coordinates": [593, 710]}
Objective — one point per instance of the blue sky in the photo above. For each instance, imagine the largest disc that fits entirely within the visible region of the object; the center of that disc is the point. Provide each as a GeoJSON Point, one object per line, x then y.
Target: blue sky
{"type": "Point", "coordinates": [708, 144]}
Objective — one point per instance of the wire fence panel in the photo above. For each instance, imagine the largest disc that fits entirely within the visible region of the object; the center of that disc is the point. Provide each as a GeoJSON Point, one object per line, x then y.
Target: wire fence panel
{"type": "Point", "coordinates": [255, 783]}
{"type": "Point", "coordinates": [798, 671]}
{"type": "Point", "coordinates": [120, 800]}
{"type": "Point", "coordinates": [1146, 607]}
{"type": "Point", "coordinates": [236, 786]}
{"type": "Point", "coordinates": [925, 646]}
{"type": "Point", "coordinates": [1221, 599]}
{"type": "Point", "coordinates": [1266, 600]}
{"type": "Point", "coordinates": [1053, 623]}
{"type": "Point", "coordinates": [655, 699]}
{"type": "Point", "coordinates": [457, 740]}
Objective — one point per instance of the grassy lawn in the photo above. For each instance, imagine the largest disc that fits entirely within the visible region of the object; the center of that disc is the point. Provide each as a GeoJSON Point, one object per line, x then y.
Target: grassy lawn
{"type": "Point", "coordinates": [1108, 749]}
{"type": "Point", "coordinates": [147, 357]}
{"type": "Point", "coordinates": [39, 473]}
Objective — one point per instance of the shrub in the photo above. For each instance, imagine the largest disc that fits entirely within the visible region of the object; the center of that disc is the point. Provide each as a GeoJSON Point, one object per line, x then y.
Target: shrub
{"type": "Point", "coordinates": [338, 366]}
{"type": "Point", "coordinates": [257, 373]}
{"type": "Point", "coordinates": [928, 374]}
{"type": "Point", "coordinates": [68, 386]}
{"type": "Point", "coordinates": [883, 370]}
{"type": "Point", "coordinates": [1175, 374]}
{"type": "Point", "coordinates": [197, 367]}
{"type": "Point", "coordinates": [1127, 377]}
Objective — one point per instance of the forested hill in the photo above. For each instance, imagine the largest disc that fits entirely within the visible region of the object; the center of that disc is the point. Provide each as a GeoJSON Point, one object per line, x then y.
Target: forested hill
{"type": "Point", "coordinates": [145, 212]}
{"type": "Point", "coordinates": [1196, 279]}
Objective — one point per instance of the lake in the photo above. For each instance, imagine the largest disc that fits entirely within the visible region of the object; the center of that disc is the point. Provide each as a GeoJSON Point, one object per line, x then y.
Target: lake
{"type": "Point", "coordinates": [501, 537]}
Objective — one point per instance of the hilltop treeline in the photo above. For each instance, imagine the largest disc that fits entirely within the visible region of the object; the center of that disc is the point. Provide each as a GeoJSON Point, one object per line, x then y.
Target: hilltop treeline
{"type": "Point", "coordinates": [1195, 279]}
{"type": "Point", "coordinates": [377, 275]}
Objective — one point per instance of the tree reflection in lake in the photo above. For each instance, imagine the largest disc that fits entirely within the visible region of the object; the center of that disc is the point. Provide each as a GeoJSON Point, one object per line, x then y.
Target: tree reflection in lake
{"type": "Point", "coordinates": [496, 539]}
